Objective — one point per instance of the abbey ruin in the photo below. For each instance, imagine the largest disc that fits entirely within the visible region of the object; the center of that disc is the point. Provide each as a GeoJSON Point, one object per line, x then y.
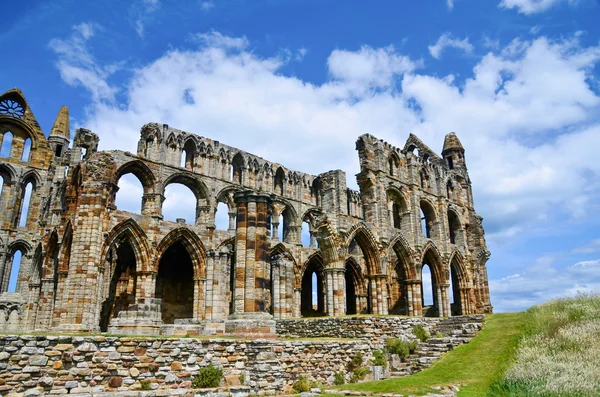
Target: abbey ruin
{"type": "Point", "coordinates": [88, 266]}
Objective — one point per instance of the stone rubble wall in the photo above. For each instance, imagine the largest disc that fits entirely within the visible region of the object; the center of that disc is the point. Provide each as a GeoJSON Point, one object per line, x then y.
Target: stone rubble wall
{"type": "Point", "coordinates": [39, 365]}
{"type": "Point", "coordinates": [372, 326]}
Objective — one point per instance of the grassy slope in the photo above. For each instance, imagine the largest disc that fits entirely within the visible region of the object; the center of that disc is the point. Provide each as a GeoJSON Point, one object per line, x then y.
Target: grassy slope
{"type": "Point", "coordinates": [475, 365]}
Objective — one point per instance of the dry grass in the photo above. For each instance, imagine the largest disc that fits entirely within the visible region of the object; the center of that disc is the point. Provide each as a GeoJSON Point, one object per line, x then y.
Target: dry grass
{"type": "Point", "coordinates": [559, 353]}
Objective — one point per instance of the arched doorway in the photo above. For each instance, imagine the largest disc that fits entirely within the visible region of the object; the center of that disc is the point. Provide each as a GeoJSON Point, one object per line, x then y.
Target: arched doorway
{"type": "Point", "coordinates": [312, 302]}
{"type": "Point", "coordinates": [120, 291]}
{"type": "Point", "coordinates": [431, 278]}
{"type": "Point", "coordinates": [398, 290]}
{"type": "Point", "coordinates": [354, 283]}
{"type": "Point", "coordinates": [175, 284]}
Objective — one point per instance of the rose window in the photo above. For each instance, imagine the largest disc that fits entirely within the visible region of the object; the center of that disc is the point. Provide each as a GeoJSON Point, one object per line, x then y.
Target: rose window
{"type": "Point", "coordinates": [11, 108]}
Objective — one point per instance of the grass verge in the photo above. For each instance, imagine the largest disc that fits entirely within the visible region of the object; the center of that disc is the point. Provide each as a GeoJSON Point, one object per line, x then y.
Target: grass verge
{"type": "Point", "coordinates": [475, 365]}
{"type": "Point", "coordinates": [559, 354]}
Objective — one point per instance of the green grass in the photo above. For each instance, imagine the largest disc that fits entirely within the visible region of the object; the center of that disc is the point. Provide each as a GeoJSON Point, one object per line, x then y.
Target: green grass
{"type": "Point", "coordinates": [475, 365]}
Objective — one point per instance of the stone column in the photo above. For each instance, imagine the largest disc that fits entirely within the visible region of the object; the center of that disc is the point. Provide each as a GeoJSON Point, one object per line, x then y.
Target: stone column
{"type": "Point", "coordinates": [297, 302]}
{"type": "Point", "coordinates": [335, 294]}
{"type": "Point", "coordinates": [252, 285]}
{"type": "Point", "coordinates": [152, 205]}
{"type": "Point", "coordinates": [199, 309]}
{"type": "Point", "coordinates": [275, 279]}
{"type": "Point", "coordinates": [232, 221]}
{"type": "Point", "coordinates": [414, 300]}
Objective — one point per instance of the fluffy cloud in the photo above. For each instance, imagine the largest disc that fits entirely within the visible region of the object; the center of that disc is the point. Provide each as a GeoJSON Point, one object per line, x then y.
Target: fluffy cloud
{"type": "Point", "coordinates": [447, 41]}
{"type": "Point", "coordinates": [450, 4]}
{"type": "Point", "coordinates": [78, 67]}
{"type": "Point", "coordinates": [369, 67]}
{"type": "Point", "coordinates": [527, 116]}
{"type": "Point", "coordinates": [543, 282]}
{"type": "Point", "coordinates": [528, 7]}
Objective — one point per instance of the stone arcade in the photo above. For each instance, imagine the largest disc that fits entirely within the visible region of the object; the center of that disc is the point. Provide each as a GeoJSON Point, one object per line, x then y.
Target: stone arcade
{"type": "Point", "coordinates": [87, 266]}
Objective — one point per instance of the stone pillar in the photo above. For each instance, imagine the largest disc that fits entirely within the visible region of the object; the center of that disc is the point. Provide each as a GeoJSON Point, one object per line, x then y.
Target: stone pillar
{"type": "Point", "coordinates": [329, 288]}
{"type": "Point", "coordinates": [232, 221]}
{"type": "Point", "coordinates": [252, 286]}
{"type": "Point", "coordinates": [413, 299]}
{"type": "Point", "coordinates": [442, 299]}
{"type": "Point", "coordinates": [297, 302]}
{"type": "Point", "coordinates": [152, 205]}
{"type": "Point", "coordinates": [275, 224]}
{"type": "Point", "coordinates": [199, 309]}
{"type": "Point", "coordinates": [336, 293]}
{"type": "Point", "coordinates": [275, 280]}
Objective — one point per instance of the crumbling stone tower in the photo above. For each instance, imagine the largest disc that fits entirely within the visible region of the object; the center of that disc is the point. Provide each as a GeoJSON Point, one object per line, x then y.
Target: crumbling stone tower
{"type": "Point", "coordinates": [87, 265]}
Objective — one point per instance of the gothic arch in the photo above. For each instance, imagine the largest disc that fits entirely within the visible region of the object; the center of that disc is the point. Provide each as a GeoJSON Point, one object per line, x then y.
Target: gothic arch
{"type": "Point", "coordinates": [192, 244]}
{"type": "Point", "coordinates": [300, 268]}
{"type": "Point", "coordinates": [226, 196]}
{"type": "Point", "coordinates": [129, 228]}
{"type": "Point", "coordinates": [141, 171]}
{"type": "Point", "coordinates": [431, 255]}
{"type": "Point", "coordinates": [195, 184]}
{"type": "Point", "coordinates": [400, 248]}
{"type": "Point", "coordinates": [368, 245]}
{"type": "Point", "coordinates": [457, 263]}
{"type": "Point", "coordinates": [8, 173]}
{"type": "Point", "coordinates": [282, 250]}
{"type": "Point", "coordinates": [311, 215]}
{"type": "Point", "coordinates": [21, 245]}
{"type": "Point", "coordinates": [393, 164]}
{"type": "Point", "coordinates": [33, 177]}
{"type": "Point", "coordinates": [224, 243]}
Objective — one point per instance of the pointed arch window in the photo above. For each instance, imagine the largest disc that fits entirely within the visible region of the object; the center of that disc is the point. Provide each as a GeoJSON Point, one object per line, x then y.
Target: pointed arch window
{"type": "Point", "coordinates": [26, 150]}
{"type": "Point", "coordinates": [6, 144]}
{"type": "Point", "coordinates": [25, 203]}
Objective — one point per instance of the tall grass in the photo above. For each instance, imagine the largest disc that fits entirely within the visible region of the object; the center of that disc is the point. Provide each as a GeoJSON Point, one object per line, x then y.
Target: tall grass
{"type": "Point", "coordinates": [559, 353]}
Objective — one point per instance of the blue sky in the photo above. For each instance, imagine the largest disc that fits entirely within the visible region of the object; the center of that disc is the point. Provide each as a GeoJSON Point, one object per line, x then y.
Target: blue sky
{"type": "Point", "coordinates": [298, 81]}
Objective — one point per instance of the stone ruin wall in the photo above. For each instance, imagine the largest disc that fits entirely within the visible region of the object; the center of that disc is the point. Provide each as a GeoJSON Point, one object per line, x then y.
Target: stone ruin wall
{"type": "Point", "coordinates": [88, 266]}
{"type": "Point", "coordinates": [94, 364]}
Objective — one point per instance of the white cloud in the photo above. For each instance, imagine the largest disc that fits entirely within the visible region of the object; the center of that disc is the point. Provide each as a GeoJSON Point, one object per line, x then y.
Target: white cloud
{"type": "Point", "coordinates": [78, 67]}
{"type": "Point", "coordinates": [590, 247]}
{"type": "Point", "coordinates": [369, 66]}
{"type": "Point", "coordinates": [529, 7]}
{"type": "Point", "coordinates": [544, 282]}
{"type": "Point", "coordinates": [527, 116]}
{"type": "Point", "coordinates": [218, 40]}
{"type": "Point", "coordinates": [450, 4]}
{"type": "Point", "coordinates": [445, 41]}
{"type": "Point", "coordinates": [300, 54]}
{"type": "Point", "coordinates": [207, 5]}
{"type": "Point", "coordinates": [140, 12]}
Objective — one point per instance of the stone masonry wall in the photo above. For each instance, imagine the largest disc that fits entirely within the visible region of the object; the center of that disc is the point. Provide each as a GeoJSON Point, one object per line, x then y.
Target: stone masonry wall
{"type": "Point", "coordinates": [371, 327]}
{"type": "Point", "coordinates": [40, 365]}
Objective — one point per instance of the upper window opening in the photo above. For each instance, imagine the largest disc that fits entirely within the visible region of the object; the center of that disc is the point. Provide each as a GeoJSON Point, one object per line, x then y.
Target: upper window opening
{"type": "Point", "coordinates": [129, 195]}
{"type": "Point", "coordinates": [6, 144]}
{"type": "Point", "coordinates": [58, 150]}
{"type": "Point", "coordinates": [450, 162]}
{"type": "Point", "coordinates": [26, 150]}
{"type": "Point", "coordinates": [25, 204]}
{"type": "Point", "coordinates": [14, 271]}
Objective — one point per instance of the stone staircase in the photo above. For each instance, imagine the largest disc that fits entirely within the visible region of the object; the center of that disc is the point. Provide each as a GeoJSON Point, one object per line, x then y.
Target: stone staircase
{"type": "Point", "coordinates": [456, 330]}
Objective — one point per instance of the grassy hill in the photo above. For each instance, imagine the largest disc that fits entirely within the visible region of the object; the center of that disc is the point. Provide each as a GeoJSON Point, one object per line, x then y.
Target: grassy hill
{"type": "Point", "coordinates": [549, 350]}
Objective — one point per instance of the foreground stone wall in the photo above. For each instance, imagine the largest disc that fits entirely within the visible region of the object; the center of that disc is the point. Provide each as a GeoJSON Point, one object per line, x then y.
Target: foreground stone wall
{"type": "Point", "coordinates": [61, 364]}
